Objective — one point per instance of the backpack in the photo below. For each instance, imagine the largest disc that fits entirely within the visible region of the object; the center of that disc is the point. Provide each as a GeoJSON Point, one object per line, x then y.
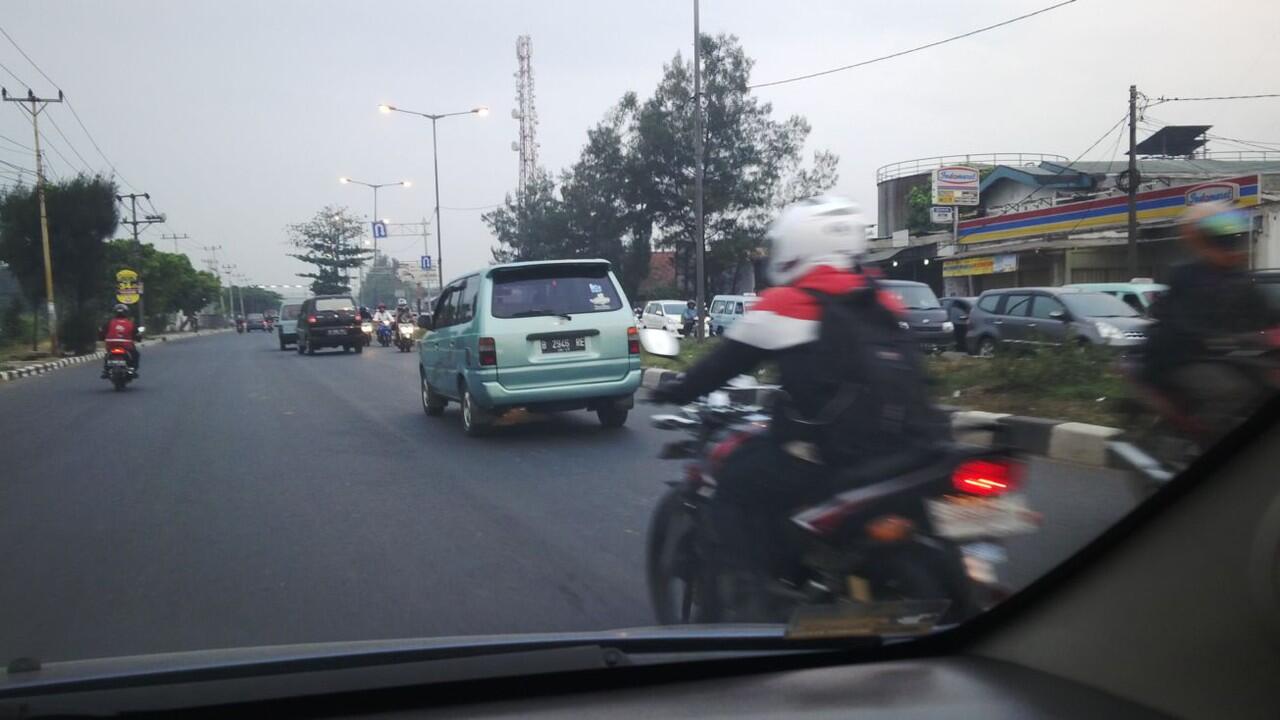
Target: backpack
{"type": "Point", "coordinates": [879, 392]}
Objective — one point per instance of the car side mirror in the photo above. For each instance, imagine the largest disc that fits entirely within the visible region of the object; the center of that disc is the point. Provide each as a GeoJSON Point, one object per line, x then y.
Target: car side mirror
{"type": "Point", "coordinates": [424, 322]}
{"type": "Point", "coordinates": [1058, 315]}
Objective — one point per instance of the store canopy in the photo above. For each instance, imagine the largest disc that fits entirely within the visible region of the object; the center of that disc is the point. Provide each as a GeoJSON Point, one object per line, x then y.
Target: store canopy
{"type": "Point", "coordinates": [1174, 141]}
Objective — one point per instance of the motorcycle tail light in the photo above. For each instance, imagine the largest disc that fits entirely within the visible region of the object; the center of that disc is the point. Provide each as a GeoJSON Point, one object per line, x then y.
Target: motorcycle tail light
{"type": "Point", "coordinates": [488, 352]}
{"type": "Point", "coordinates": [633, 340]}
{"type": "Point", "coordinates": [117, 351]}
{"type": "Point", "coordinates": [987, 477]}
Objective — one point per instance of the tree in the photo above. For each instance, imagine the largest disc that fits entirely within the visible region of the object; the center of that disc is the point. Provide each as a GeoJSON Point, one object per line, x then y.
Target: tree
{"type": "Point", "coordinates": [82, 216]}
{"type": "Point", "coordinates": [257, 300]}
{"type": "Point", "coordinates": [330, 242]}
{"type": "Point", "coordinates": [919, 200]}
{"type": "Point", "coordinates": [632, 186]}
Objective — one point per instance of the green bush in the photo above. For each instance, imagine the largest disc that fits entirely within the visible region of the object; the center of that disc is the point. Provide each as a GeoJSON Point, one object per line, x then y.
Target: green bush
{"type": "Point", "coordinates": [14, 324]}
{"type": "Point", "coordinates": [1083, 373]}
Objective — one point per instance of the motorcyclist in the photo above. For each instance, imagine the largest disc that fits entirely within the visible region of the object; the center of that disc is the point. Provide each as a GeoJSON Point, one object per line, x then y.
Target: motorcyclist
{"type": "Point", "coordinates": [813, 248]}
{"type": "Point", "coordinates": [404, 314]}
{"type": "Point", "coordinates": [119, 331]}
{"type": "Point", "coordinates": [383, 315]}
{"type": "Point", "coordinates": [689, 318]}
{"type": "Point", "coordinates": [1210, 298]}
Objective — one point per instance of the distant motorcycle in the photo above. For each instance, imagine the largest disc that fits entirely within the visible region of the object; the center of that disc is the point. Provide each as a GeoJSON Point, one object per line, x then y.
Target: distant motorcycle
{"type": "Point", "coordinates": [384, 333]}
{"type": "Point", "coordinates": [404, 336]}
{"type": "Point", "coordinates": [366, 328]}
{"type": "Point", "coordinates": [239, 325]}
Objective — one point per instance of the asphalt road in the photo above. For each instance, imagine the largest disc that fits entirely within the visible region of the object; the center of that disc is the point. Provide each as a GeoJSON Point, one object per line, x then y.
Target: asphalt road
{"type": "Point", "coordinates": [238, 495]}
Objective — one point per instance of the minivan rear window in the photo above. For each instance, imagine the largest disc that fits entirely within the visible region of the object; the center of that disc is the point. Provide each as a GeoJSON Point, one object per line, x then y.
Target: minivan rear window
{"type": "Point", "coordinates": [553, 290]}
{"type": "Point", "coordinates": [335, 304]}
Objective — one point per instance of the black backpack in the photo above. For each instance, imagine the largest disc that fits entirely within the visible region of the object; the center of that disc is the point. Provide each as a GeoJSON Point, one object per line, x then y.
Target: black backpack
{"type": "Point", "coordinates": [879, 402]}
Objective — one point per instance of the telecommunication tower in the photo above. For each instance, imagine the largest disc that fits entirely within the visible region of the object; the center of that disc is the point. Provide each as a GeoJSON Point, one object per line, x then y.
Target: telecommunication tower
{"type": "Point", "coordinates": [527, 114]}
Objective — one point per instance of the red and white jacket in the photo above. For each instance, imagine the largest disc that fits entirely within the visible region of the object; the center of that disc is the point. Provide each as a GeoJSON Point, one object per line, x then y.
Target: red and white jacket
{"type": "Point", "coordinates": [782, 325]}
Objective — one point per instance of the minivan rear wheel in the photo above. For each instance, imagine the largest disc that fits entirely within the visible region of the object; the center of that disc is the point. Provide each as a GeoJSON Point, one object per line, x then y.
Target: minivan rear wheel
{"type": "Point", "coordinates": [475, 419]}
{"type": "Point", "coordinates": [612, 416]}
{"type": "Point", "coordinates": [432, 403]}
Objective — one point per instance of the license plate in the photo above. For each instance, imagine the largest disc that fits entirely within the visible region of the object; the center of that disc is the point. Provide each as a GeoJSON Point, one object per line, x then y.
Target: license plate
{"type": "Point", "coordinates": [115, 362]}
{"type": "Point", "coordinates": [556, 345]}
{"type": "Point", "coordinates": [338, 331]}
{"type": "Point", "coordinates": [958, 516]}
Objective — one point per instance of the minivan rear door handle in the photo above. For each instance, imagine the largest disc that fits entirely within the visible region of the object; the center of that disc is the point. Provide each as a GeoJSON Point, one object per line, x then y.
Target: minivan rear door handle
{"type": "Point", "coordinates": [997, 322]}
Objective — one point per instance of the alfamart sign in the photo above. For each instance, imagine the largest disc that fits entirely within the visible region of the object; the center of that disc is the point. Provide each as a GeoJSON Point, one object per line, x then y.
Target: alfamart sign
{"type": "Point", "coordinates": [1162, 204]}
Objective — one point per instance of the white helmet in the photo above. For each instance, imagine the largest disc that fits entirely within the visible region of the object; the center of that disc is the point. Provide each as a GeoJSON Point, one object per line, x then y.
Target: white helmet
{"type": "Point", "coordinates": [821, 230]}
{"type": "Point", "coordinates": [401, 302]}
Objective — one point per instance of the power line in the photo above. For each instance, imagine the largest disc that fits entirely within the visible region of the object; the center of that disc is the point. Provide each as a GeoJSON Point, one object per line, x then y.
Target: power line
{"type": "Point", "coordinates": [101, 154]}
{"type": "Point", "coordinates": [87, 166]}
{"type": "Point", "coordinates": [28, 57]}
{"type": "Point", "coordinates": [13, 75]}
{"type": "Point", "coordinates": [28, 148]}
{"type": "Point", "coordinates": [55, 149]}
{"type": "Point", "coordinates": [918, 48]}
{"type": "Point", "coordinates": [1064, 168]}
{"type": "Point", "coordinates": [1161, 100]}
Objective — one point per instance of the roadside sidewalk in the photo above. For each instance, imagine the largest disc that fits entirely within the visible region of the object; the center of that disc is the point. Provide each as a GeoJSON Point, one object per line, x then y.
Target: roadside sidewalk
{"type": "Point", "coordinates": [20, 369]}
{"type": "Point", "coordinates": [1073, 442]}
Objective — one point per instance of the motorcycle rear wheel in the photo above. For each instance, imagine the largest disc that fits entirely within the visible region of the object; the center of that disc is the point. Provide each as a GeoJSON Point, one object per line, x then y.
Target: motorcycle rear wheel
{"type": "Point", "coordinates": [681, 584]}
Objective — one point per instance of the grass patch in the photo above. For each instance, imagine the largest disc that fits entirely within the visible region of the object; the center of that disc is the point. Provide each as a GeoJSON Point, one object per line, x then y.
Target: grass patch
{"type": "Point", "coordinates": [1063, 383]}
{"type": "Point", "coordinates": [691, 351]}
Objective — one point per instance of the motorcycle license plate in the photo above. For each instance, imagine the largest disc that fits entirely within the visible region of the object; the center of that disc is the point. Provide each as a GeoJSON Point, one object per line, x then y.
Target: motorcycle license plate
{"type": "Point", "coordinates": [116, 362]}
{"type": "Point", "coordinates": [957, 517]}
{"type": "Point", "coordinates": [555, 345]}
{"type": "Point", "coordinates": [338, 331]}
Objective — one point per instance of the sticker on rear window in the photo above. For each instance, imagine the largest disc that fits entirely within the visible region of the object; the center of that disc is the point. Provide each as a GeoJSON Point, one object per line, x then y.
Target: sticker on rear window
{"type": "Point", "coordinates": [600, 300]}
{"type": "Point", "coordinates": [595, 288]}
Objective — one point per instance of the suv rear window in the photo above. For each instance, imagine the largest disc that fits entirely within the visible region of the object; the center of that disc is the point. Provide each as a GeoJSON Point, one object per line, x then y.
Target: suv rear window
{"type": "Point", "coordinates": [335, 304]}
{"type": "Point", "coordinates": [553, 290]}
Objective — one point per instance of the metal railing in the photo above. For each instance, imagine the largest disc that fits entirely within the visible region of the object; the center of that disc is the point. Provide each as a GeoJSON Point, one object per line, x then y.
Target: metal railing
{"type": "Point", "coordinates": [922, 165]}
{"type": "Point", "coordinates": [1241, 155]}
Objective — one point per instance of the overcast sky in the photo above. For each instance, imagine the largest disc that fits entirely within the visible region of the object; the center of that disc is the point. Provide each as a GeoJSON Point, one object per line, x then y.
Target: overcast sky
{"type": "Point", "coordinates": [239, 116]}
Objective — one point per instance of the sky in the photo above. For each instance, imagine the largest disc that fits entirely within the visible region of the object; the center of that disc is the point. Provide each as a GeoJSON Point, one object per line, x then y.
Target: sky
{"type": "Point", "coordinates": [238, 117]}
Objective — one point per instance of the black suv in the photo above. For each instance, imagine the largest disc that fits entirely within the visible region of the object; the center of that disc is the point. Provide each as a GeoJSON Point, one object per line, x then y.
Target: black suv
{"type": "Point", "coordinates": [329, 321]}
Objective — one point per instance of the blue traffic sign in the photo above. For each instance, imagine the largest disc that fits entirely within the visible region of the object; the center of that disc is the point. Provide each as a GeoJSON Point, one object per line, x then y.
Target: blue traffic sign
{"type": "Point", "coordinates": [379, 230]}
{"type": "Point", "coordinates": [425, 262]}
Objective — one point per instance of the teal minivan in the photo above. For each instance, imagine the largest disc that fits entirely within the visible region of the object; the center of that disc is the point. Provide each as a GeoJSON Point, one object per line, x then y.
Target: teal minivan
{"type": "Point", "coordinates": [547, 336]}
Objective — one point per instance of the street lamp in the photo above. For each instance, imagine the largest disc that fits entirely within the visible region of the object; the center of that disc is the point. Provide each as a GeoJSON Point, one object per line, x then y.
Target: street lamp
{"type": "Point", "coordinates": [375, 187]}
{"type": "Point", "coordinates": [482, 111]}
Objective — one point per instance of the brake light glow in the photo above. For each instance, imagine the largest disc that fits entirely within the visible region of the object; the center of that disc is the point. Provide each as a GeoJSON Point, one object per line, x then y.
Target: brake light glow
{"type": "Point", "coordinates": [986, 477]}
{"type": "Point", "coordinates": [633, 340]}
{"type": "Point", "coordinates": [311, 319]}
{"type": "Point", "coordinates": [488, 352]}
{"type": "Point", "coordinates": [117, 351]}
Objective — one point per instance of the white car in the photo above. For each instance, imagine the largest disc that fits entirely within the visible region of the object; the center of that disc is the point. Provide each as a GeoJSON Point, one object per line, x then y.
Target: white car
{"type": "Point", "coordinates": [663, 315]}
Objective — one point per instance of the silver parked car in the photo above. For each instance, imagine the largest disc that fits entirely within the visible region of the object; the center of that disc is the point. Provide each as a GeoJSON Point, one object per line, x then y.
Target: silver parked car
{"type": "Point", "coordinates": [1053, 316]}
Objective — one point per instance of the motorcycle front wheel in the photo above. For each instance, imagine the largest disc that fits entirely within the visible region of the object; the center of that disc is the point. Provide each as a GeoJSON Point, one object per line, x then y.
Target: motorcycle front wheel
{"type": "Point", "coordinates": [681, 583]}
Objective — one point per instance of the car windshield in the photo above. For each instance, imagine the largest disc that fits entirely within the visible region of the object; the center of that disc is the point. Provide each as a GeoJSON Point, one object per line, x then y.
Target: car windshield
{"type": "Point", "coordinates": [1096, 304]}
{"type": "Point", "coordinates": [555, 446]}
{"type": "Point", "coordinates": [914, 297]}
{"type": "Point", "coordinates": [332, 304]}
{"type": "Point", "coordinates": [553, 290]}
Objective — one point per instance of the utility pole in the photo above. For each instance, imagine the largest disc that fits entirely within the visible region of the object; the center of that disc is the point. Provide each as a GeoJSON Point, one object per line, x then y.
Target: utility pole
{"type": "Point", "coordinates": [175, 239]}
{"type": "Point", "coordinates": [37, 105]}
{"type": "Point", "coordinates": [134, 222]}
{"type": "Point", "coordinates": [212, 263]}
{"type": "Point", "coordinates": [700, 248]}
{"type": "Point", "coordinates": [1133, 181]}
{"type": "Point", "coordinates": [231, 289]}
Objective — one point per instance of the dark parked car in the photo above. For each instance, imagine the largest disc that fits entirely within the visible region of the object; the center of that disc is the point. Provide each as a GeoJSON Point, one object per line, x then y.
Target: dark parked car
{"type": "Point", "coordinates": [924, 315]}
{"type": "Point", "coordinates": [958, 313]}
{"type": "Point", "coordinates": [1268, 283]}
{"type": "Point", "coordinates": [254, 321]}
{"type": "Point", "coordinates": [1053, 316]}
{"type": "Point", "coordinates": [329, 321]}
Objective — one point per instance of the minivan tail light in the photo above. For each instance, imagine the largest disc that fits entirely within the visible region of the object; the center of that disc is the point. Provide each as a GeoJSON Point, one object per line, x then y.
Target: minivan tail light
{"type": "Point", "coordinates": [987, 477]}
{"type": "Point", "coordinates": [633, 340]}
{"type": "Point", "coordinates": [488, 352]}
{"type": "Point", "coordinates": [311, 319]}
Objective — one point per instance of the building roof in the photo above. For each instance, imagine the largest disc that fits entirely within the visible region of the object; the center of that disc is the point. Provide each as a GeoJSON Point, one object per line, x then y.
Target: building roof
{"type": "Point", "coordinates": [1192, 168]}
{"type": "Point", "coordinates": [1054, 176]}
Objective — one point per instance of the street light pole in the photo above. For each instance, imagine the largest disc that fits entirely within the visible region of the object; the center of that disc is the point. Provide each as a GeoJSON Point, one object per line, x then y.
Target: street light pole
{"type": "Point", "coordinates": [375, 187]}
{"type": "Point", "coordinates": [700, 248]}
{"type": "Point", "coordinates": [435, 165]}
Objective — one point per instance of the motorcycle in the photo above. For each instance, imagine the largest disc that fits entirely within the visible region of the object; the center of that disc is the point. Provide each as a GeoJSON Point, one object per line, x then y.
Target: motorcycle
{"type": "Point", "coordinates": [240, 327]}
{"type": "Point", "coordinates": [404, 336]}
{"type": "Point", "coordinates": [1169, 427]}
{"type": "Point", "coordinates": [384, 333]}
{"type": "Point", "coordinates": [118, 370]}
{"type": "Point", "coordinates": [366, 329]}
{"type": "Point", "coordinates": [915, 535]}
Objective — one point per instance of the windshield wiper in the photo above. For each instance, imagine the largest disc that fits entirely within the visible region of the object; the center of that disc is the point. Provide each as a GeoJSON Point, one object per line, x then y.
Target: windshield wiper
{"type": "Point", "coordinates": [541, 313]}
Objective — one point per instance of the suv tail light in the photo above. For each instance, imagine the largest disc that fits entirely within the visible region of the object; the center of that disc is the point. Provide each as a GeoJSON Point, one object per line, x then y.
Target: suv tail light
{"type": "Point", "coordinates": [311, 319]}
{"type": "Point", "coordinates": [633, 340]}
{"type": "Point", "coordinates": [488, 352]}
{"type": "Point", "coordinates": [987, 477]}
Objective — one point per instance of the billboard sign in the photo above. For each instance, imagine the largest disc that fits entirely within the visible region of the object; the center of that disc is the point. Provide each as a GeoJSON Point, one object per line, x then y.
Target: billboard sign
{"type": "Point", "coordinates": [989, 265]}
{"type": "Point", "coordinates": [941, 214]}
{"type": "Point", "coordinates": [128, 289]}
{"type": "Point", "coordinates": [956, 185]}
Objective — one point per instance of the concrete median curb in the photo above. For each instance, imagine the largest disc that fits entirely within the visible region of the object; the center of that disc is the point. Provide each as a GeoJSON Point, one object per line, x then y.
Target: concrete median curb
{"type": "Point", "coordinates": [1061, 440]}
{"type": "Point", "coordinates": [46, 367]}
